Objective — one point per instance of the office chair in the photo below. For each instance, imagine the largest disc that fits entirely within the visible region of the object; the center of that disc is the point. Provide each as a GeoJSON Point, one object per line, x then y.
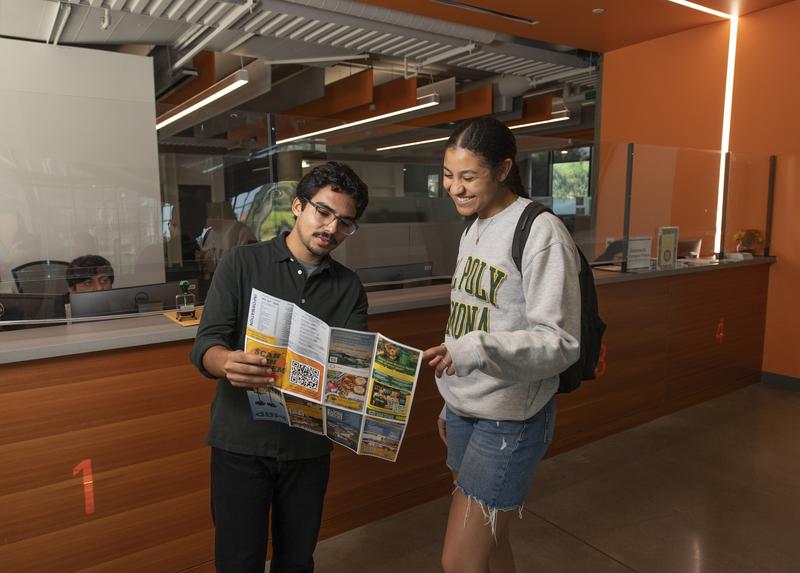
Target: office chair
{"type": "Point", "coordinates": [41, 277]}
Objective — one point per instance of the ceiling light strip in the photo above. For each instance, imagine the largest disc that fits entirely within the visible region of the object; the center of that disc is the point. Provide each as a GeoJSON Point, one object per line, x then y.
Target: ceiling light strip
{"type": "Point", "coordinates": [543, 122]}
{"type": "Point", "coordinates": [425, 102]}
{"type": "Point", "coordinates": [413, 143]}
{"type": "Point", "coordinates": [438, 139]}
{"type": "Point", "coordinates": [218, 90]}
{"type": "Point", "coordinates": [701, 8]}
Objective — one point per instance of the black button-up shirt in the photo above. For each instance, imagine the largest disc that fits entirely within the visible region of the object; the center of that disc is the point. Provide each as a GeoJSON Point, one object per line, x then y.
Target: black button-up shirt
{"type": "Point", "coordinates": [332, 293]}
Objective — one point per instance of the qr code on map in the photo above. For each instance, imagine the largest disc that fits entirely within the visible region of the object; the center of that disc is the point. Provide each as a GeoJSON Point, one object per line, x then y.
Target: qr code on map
{"type": "Point", "coordinates": [304, 375]}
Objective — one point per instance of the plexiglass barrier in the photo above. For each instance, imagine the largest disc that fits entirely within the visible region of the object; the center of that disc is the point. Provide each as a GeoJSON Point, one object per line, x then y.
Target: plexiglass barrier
{"type": "Point", "coordinates": [676, 207]}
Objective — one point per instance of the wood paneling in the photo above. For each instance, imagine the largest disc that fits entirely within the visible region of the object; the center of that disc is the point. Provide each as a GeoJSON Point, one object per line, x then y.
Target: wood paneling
{"type": "Point", "coordinates": [141, 415]}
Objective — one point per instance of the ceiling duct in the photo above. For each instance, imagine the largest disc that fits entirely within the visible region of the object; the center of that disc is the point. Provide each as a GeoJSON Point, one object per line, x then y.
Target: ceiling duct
{"type": "Point", "coordinates": [395, 18]}
{"type": "Point", "coordinates": [165, 79]}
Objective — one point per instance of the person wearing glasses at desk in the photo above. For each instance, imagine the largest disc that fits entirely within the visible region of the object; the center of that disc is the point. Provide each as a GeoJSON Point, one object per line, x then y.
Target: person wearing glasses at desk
{"type": "Point", "coordinates": [258, 465]}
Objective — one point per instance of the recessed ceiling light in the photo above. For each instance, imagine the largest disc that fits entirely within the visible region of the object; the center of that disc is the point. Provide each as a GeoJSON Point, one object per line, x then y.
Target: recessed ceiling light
{"type": "Point", "coordinates": [598, 10]}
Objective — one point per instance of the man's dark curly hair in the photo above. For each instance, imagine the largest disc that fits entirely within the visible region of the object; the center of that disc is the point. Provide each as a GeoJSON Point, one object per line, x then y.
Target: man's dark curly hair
{"type": "Point", "coordinates": [341, 179]}
{"type": "Point", "coordinates": [86, 267]}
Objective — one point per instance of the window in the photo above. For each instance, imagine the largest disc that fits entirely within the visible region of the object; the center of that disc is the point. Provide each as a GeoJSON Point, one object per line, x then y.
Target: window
{"type": "Point", "coordinates": [571, 172]}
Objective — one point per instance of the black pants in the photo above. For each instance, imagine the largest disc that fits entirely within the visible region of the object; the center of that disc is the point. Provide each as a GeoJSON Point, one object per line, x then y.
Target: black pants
{"type": "Point", "coordinates": [243, 490]}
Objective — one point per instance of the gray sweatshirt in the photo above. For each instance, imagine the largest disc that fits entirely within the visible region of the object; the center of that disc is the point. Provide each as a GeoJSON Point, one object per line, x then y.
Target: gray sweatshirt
{"type": "Point", "coordinates": [511, 334]}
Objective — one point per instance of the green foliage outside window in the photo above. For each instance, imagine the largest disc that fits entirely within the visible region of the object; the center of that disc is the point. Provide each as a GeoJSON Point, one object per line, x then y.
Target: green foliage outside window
{"type": "Point", "coordinates": [571, 179]}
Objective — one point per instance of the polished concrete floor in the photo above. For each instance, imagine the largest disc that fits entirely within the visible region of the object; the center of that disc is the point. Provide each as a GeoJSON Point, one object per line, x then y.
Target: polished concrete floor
{"type": "Point", "coordinates": [711, 489]}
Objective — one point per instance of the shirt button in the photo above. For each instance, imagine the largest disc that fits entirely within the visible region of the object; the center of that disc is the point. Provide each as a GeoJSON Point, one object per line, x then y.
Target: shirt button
{"type": "Point", "coordinates": [302, 300]}
{"type": "Point", "coordinates": [299, 271]}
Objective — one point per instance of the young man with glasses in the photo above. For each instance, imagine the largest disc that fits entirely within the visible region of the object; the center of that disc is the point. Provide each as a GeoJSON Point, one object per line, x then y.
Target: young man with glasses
{"type": "Point", "coordinates": [258, 467]}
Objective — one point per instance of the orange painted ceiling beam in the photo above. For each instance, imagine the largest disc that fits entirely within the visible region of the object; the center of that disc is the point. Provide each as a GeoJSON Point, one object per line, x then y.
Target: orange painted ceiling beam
{"type": "Point", "coordinates": [473, 103]}
{"type": "Point", "coordinates": [206, 77]}
{"type": "Point", "coordinates": [353, 91]}
{"type": "Point", "coordinates": [390, 96]}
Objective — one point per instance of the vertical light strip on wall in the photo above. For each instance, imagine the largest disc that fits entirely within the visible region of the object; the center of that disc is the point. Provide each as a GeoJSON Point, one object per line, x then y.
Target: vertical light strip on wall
{"type": "Point", "coordinates": [726, 110]}
{"type": "Point", "coordinates": [726, 129]}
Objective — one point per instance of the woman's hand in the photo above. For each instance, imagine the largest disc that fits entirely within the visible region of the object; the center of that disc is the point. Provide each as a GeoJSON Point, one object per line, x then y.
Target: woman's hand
{"type": "Point", "coordinates": [438, 357]}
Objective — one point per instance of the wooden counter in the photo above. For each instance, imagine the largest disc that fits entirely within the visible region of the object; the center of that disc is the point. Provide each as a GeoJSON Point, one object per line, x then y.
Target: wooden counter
{"type": "Point", "coordinates": [137, 418]}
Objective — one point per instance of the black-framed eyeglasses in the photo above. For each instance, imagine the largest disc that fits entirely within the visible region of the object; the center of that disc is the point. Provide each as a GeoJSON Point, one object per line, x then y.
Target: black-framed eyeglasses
{"type": "Point", "coordinates": [326, 216]}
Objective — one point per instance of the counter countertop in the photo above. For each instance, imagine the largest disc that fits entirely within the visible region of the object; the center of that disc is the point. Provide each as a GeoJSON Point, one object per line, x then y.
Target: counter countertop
{"type": "Point", "coordinates": [78, 338]}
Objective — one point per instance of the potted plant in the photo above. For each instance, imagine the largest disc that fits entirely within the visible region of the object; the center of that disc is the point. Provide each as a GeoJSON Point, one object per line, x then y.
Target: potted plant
{"type": "Point", "coordinates": [747, 240]}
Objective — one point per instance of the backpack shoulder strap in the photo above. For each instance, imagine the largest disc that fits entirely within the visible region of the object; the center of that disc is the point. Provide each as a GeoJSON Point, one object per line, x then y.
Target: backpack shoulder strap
{"type": "Point", "coordinates": [526, 219]}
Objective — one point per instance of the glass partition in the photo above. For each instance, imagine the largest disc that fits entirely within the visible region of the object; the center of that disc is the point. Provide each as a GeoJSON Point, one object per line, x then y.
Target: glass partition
{"type": "Point", "coordinates": [665, 206]}
{"type": "Point", "coordinates": [747, 203]}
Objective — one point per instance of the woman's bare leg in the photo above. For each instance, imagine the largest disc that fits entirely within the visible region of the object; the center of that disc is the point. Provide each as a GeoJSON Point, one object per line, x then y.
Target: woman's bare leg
{"type": "Point", "coordinates": [469, 546]}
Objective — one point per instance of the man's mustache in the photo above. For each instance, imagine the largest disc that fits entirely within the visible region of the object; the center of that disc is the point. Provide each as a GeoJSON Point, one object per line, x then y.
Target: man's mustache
{"type": "Point", "coordinates": [327, 236]}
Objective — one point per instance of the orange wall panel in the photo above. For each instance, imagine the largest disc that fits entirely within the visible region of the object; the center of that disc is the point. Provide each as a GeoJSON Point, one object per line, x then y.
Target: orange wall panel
{"type": "Point", "coordinates": [765, 122]}
{"type": "Point", "coordinates": [666, 96]}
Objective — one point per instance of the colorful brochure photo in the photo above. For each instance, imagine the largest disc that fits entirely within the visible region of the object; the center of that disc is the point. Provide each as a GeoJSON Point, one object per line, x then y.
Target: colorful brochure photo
{"type": "Point", "coordinates": [381, 438]}
{"type": "Point", "coordinates": [304, 414]}
{"type": "Point", "coordinates": [392, 383]}
{"type": "Point", "coordinates": [349, 363]}
{"type": "Point", "coordinates": [343, 427]}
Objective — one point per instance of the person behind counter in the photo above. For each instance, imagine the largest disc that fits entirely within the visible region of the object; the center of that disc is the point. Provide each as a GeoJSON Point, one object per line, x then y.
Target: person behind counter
{"type": "Point", "coordinates": [89, 273]}
{"type": "Point", "coordinates": [498, 371]}
{"type": "Point", "coordinates": [256, 464]}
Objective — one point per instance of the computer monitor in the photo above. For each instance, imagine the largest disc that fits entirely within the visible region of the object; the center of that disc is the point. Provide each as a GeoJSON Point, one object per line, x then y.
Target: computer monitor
{"type": "Point", "coordinates": [615, 252]}
{"type": "Point", "coordinates": [24, 306]}
{"type": "Point", "coordinates": [125, 300]}
{"type": "Point", "coordinates": [689, 248]}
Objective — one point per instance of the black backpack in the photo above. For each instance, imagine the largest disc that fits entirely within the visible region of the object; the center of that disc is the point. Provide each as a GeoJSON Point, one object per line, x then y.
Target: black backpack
{"type": "Point", "coordinates": [592, 326]}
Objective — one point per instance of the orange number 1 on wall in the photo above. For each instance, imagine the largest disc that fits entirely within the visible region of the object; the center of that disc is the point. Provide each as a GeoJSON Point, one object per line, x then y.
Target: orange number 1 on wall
{"type": "Point", "coordinates": [85, 467]}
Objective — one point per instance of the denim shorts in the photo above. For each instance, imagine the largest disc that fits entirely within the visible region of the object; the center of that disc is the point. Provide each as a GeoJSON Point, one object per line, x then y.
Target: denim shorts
{"type": "Point", "coordinates": [495, 460]}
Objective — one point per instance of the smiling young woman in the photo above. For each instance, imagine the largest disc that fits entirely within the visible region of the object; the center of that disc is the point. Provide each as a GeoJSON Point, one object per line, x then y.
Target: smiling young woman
{"type": "Point", "coordinates": [509, 335]}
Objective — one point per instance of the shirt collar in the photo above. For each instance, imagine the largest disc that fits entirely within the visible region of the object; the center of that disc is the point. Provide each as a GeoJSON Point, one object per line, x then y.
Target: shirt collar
{"type": "Point", "coordinates": [282, 253]}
